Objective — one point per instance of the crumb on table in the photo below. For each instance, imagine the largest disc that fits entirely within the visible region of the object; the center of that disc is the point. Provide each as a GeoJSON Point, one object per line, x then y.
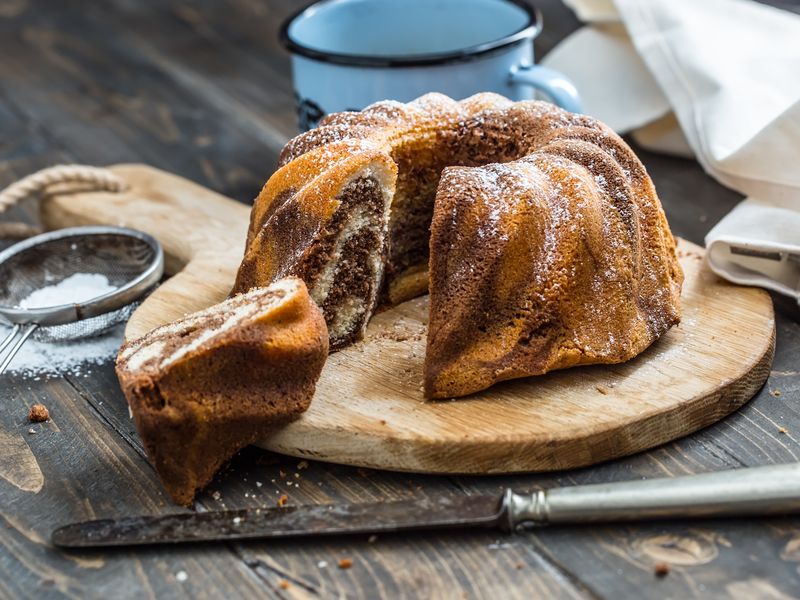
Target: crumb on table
{"type": "Point", "coordinates": [662, 569]}
{"type": "Point", "coordinates": [38, 413]}
{"type": "Point", "coordinates": [345, 563]}
{"type": "Point", "coordinates": [283, 500]}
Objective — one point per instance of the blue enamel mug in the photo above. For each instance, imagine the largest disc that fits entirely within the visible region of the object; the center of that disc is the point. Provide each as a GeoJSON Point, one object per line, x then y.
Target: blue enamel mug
{"type": "Point", "coordinates": [347, 54]}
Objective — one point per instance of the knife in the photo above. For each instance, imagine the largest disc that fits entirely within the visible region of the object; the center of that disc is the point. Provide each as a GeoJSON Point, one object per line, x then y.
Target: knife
{"type": "Point", "coordinates": [750, 491]}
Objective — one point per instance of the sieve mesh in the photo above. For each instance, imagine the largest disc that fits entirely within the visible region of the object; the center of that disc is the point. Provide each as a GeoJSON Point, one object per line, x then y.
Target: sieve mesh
{"type": "Point", "coordinates": [85, 327]}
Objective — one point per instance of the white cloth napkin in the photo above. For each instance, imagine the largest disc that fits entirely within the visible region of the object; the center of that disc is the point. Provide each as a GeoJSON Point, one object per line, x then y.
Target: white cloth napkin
{"type": "Point", "coordinates": [719, 79]}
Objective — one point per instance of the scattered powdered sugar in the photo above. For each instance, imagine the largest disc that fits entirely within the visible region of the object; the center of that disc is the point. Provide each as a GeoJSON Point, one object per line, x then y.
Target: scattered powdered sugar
{"type": "Point", "coordinates": [79, 287]}
{"type": "Point", "coordinates": [75, 357]}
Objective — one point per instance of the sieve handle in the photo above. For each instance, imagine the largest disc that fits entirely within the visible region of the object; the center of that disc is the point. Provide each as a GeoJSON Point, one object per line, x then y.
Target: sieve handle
{"type": "Point", "coordinates": [21, 333]}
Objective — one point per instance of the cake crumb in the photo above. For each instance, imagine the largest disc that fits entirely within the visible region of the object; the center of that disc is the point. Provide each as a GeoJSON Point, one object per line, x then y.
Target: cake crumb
{"type": "Point", "coordinates": [283, 500]}
{"type": "Point", "coordinates": [284, 585]}
{"type": "Point", "coordinates": [345, 563]}
{"type": "Point", "coordinates": [602, 390]}
{"type": "Point", "coordinates": [322, 564]}
{"type": "Point", "coordinates": [181, 576]}
{"type": "Point", "coordinates": [661, 569]}
{"type": "Point", "coordinates": [38, 413]}
{"type": "Point", "coordinates": [31, 431]}
{"type": "Point", "coordinates": [519, 565]}
{"type": "Point", "coordinates": [372, 539]}
{"type": "Point", "coordinates": [775, 393]}
{"type": "Point", "coordinates": [303, 464]}
{"type": "Point", "coordinates": [782, 430]}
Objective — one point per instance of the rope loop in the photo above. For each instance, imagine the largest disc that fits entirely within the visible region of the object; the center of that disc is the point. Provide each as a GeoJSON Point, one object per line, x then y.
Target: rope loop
{"type": "Point", "coordinates": [98, 179]}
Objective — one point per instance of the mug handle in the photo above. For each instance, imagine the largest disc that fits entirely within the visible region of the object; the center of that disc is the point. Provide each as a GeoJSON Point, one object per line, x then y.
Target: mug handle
{"type": "Point", "coordinates": [560, 89]}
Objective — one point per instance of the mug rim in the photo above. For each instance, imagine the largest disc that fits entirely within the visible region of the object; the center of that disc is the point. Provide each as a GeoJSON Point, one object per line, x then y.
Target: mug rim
{"type": "Point", "coordinates": [530, 30]}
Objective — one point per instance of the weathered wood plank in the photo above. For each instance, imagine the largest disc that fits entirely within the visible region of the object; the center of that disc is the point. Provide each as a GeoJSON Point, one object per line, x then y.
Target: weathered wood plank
{"type": "Point", "coordinates": [247, 77]}
{"type": "Point", "coordinates": [73, 468]}
{"type": "Point", "coordinates": [77, 83]}
{"type": "Point", "coordinates": [106, 103]}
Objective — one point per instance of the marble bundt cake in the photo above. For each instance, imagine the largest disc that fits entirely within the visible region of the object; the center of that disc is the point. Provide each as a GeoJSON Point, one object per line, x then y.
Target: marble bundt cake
{"type": "Point", "coordinates": [204, 387]}
{"type": "Point", "coordinates": [542, 233]}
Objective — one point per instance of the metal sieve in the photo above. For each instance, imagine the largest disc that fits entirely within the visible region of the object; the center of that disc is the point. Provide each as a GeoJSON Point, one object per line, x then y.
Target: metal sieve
{"type": "Point", "coordinates": [132, 261]}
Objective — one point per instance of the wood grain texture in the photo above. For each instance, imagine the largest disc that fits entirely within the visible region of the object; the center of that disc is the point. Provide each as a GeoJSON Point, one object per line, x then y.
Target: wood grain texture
{"type": "Point", "coordinates": [368, 409]}
{"type": "Point", "coordinates": [81, 470]}
{"type": "Point", "coordinates": [198, 87]}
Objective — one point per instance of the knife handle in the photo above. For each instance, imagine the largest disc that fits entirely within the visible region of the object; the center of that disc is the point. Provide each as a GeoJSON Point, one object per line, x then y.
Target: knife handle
{"type": "Point", "coordinates": [750, 491]}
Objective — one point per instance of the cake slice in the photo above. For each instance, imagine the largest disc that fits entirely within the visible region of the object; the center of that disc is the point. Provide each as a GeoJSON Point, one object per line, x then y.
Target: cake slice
{"type": "Point", "coordinates": [204, 387]}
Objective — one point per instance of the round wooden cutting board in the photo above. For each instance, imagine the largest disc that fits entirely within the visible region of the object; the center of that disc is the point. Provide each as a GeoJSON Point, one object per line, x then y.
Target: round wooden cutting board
{"type": "Point", "coordinates": [369, 410]}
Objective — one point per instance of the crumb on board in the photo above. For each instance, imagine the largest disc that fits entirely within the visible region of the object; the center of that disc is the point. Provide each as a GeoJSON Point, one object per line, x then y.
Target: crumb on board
{"type": "Point", "coordinates": [282, 500]}
{"type": "Point", "coordinates": [303, 464]}
{"type": "Point", "coordinates": [345, 563]}
{"type": "Point", "coordinates": [661, 569]}
{"type": "Point", "coordinates": [782, 430]}
{"type": "Point", "coordinates": [283, 584]}
{"type": "Point", "coordinates": [602, 390]}
{"type": "Point", "coordinates": [38, 413]}
{"type": "Point", "coordinates": [372, 539]}
{"type": "Point", "coordinates": [519, 565]}
{"type": "Point", "coordinates": [775, 393]}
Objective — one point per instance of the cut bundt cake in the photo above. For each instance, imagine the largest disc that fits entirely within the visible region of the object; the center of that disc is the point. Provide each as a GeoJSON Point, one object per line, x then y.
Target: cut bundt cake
{"type": "Point", "coordinates": [540, 230]}
{"type": "Point", "coordinates": [325, 220]}
{"type": "Point", "coordinates": [204, 387]}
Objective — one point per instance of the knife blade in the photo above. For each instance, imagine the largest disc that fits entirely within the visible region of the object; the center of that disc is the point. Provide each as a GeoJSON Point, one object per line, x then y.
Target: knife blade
{"type": "Point", "coordinates": [750, 491]}
{"type": "Point", "coordinates": [283, 522]}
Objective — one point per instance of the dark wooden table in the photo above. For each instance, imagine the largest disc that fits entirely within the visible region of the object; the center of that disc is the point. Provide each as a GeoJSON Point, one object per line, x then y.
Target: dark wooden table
{"type": "Point", "coordinates": [202, 89]}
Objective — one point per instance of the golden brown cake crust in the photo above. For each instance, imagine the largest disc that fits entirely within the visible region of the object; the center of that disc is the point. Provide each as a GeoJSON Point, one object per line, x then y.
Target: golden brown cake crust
{"type": "Point", "coordinates": [548, 245]}
{"type": "Point", "coordinates": [199, 392]}
{"type": "Point", "coordinates": [559, 258]}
